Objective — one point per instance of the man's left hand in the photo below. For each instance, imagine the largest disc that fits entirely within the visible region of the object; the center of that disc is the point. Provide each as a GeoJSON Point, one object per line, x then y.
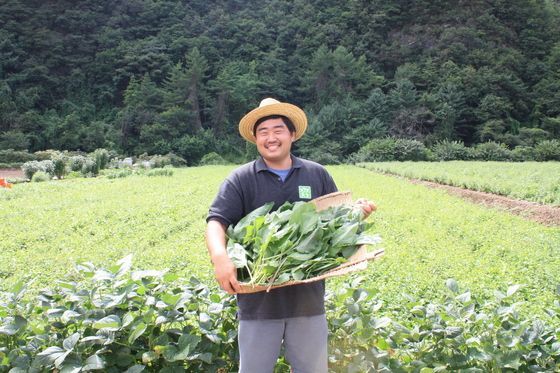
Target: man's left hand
{"type": "Point", "coordinates": [366, 206]}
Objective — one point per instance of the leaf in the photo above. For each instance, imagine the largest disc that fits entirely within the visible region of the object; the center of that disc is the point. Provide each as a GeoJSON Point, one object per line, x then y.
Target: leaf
{"type": "Point", "coordinates": [135, 369]}
{"type": "Point", "coordinates": [453, 331]}
{"type": "Point", "coordinates": [136, 332]}
{"type": "Point", "coordinates": [127, 319]}
{"type": "Point", "coordinates": [69, 315]}
{"type": "Point", "coordinates": [311, 243]}
{"type": "Point", "coordinates": [298, 275]}
{"type": "Point", "coordinates": [206, 357]}
{"type": "Point", "coordinates": [139, 275]}
{"type": "Point", "coordinates": [215, 308]}
{"type": "Point", "coordinates": [452, 285]}
{"type": "Point", "coordinates": [48, 356]}
{"type": "Point", "coordinates": [170, 299]}
{"type": "Point", "coordinates": [13, 325]}
{"type": "Point", "coordinates": [94, 339]}
{"type": "Point", "coordinates": [111, 322]}
{"type": "Point", "coordinates": [103, 275]}
{"type": "Point", "coordinates": [512, 290]}
{"type": "Point", "coordinates": [94, 362]}
{"type": "Point", "coordinates": [510, 359]}
{"type": "Point", "coordinates": [364, 239]}
{"type": "Point", "coordinates": [148, 357]}
{"type": "Point", "coordinates": [70, 342]}
{"type": "Point", "coordinates": [359, 295]}
{"type": "Point", "coordinates": [55, 312]}
{"type": "Point", "coordinates": [465, 297]}
{"type": "Point", "coordinates": [382, 322]}
{"type": "Point", "coordinates": [238, 230]}
{"type": "Point", "coordinates": [70, 368]}
{"type": "Point", "coordinates": [348, 251]}
{"type": "Point", "coordinates": [345, 235]}
{"type": "Point", "coordinates": [60, 359]}
{"type": "Point", "coordinates": [237, 254]}
{"type": "Point", "coordinates": [125, 265]}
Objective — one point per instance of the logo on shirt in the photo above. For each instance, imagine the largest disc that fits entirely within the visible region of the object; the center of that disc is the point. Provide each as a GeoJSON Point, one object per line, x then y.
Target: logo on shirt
{"type": "Point", "coordinates": [304, 192]}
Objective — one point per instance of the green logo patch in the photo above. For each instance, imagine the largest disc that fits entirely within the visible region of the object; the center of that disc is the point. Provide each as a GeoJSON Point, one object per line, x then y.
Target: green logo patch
{"type": "Point", "coordinates": [305, 191]}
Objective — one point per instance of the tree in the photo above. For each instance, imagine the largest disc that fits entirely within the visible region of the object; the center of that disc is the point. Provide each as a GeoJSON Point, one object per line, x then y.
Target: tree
{"type": "Point", "coordinates": [196, 68]}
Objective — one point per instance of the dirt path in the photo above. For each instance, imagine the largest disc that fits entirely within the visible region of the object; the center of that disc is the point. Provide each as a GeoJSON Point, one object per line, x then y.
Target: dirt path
{"type": "Point", "coordinates": [11, 173]}
{"type": "Point", "coordinates": [548, 215]}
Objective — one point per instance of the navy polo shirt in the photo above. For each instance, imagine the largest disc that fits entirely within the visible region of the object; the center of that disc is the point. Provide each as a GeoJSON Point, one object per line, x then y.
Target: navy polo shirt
{"type": "Point", "coordinates": [251, 186]}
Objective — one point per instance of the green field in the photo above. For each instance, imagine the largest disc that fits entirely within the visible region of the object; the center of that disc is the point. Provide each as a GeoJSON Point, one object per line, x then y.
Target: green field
{"type": "Point", "coordinates": [428, 235]}
{"type": "Point", "coordinates": [531, 181]}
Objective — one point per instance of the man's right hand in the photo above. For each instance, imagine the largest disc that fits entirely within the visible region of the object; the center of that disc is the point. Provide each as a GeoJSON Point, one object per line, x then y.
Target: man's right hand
{"type": "Point", "coordinates": [226, 274]}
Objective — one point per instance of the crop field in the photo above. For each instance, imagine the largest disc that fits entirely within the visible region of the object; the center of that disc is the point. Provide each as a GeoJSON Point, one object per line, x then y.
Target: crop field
{"type": "Point", "coordinates": [428, 235]}
{"type": "Point", "coordinates": [531, 181]}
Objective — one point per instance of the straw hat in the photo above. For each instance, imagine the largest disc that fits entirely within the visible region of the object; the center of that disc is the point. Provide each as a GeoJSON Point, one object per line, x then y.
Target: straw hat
{"type": "Point", "coordinates": [270, 106]}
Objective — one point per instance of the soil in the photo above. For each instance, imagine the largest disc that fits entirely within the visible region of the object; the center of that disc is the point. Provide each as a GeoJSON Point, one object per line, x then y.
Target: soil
{"type": "Point", "coordinates": [544, 214]}
{"type": "Point", "coordinates": [11, 173]}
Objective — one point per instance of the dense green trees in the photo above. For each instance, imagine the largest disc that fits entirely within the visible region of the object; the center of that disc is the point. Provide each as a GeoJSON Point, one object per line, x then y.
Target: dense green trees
{"type": "Point", "coordinates": [176, 76]}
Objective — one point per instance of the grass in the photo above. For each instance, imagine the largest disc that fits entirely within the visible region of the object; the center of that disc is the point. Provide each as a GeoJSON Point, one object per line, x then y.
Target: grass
{"type": "Point", "coordinates": [531, 181]}
{"type": "Point", "coordinates": [428, 235]}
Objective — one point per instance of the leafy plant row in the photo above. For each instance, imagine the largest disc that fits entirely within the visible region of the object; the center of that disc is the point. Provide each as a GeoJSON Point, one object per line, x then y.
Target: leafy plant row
{"type": "Point", "coordinates": [117, 319]}
{"type": "Point", "coordinates": [537, 182]}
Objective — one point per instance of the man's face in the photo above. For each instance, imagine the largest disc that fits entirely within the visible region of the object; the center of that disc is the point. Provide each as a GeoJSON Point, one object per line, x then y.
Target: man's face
{"type": "Point", "coordinates": [274, 140]}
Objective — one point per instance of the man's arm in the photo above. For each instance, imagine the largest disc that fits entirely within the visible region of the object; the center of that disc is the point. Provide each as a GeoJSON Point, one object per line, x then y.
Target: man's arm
{"type": "Point", "coordinates": [224, 270]}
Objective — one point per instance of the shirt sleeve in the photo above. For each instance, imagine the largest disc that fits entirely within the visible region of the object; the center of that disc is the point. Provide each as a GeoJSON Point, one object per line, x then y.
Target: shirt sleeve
{"type": "Point", "coordinates": [329, 185]}
{"type": "Point", "coordinates": [227, 207]}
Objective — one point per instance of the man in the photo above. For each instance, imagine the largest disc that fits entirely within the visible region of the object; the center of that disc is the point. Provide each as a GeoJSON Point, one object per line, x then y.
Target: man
{"type": "Point", "coordinates": [292, 316]}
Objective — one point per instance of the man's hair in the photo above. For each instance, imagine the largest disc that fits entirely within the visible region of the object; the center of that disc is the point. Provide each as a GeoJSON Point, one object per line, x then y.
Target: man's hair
{"type": "Point", "coordinates": [287, 121]}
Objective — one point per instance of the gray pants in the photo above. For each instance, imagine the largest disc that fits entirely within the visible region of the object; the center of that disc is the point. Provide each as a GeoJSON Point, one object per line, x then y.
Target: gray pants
{"type": "Point", "coordinates": [305, 344]}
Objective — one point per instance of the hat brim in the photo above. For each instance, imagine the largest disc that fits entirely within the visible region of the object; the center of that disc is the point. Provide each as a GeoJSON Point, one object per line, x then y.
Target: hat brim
{"type": "Point", "coordinates": [296, 115]}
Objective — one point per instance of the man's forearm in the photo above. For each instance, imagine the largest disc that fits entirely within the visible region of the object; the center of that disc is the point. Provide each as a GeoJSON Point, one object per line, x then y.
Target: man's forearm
{"type": "Point", "coordinates": [223, 267]}
{"type": "Point", "coordinates": [216, 240]}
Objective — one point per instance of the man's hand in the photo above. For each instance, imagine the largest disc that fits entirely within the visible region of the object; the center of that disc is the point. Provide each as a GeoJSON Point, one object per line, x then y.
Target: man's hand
{"type": "Point", "coordinates": [226, 274]}
{"type": "Point", "coordinates": [366, 206]}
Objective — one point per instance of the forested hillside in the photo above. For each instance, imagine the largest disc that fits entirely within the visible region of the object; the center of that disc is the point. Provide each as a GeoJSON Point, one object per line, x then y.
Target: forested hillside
{"type": "Point", "coordinates": [159, 76]}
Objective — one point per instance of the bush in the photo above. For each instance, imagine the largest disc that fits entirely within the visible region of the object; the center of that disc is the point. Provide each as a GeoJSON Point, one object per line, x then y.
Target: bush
{"type": "Point", "coordinates": [176, 161]}
{"type": "Point", "coordinates": [30, 168]}
{"type": "Point", "coordinates": [59, 165]}
{"type": "Point", "coordinates": [101, 157]}
{"type": "Point", "coordinates": [49, 154]}
{"type": "Point", "coordinates": [548, 150]}
{"type": "Point", "coordinates": [213, 158]}
{"type": "Point", "coordinates": [76, 162]}
{"type": "Point", "coordinates": [377, 150]}
{"type": "Point", "coordinates": [522, 154]}
{"type": "Point", "coordinates": [160, 161]}
{"type": "Point", "coordinates": [40, 176]}
{"type": "Point", "coordinates": [491, 151]}
{"type": "Point", "coordinates": [89, 168]}
{"type": "Point", "coordinates": [410, 150]}
{"type": "Point", "coordinates": [450, 150]}
{"type": "Point", "coordinates": [532, 136]}
{"type": "Point", "coordinates": [16, 156]}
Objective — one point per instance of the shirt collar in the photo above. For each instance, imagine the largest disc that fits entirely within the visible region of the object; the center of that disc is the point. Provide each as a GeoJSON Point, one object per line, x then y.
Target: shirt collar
{"type": "Point", "coordinates": [261, 166]}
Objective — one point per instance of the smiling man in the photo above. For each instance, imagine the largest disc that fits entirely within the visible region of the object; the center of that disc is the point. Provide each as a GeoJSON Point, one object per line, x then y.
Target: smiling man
{"type": "Point", "coordinates": [292, 316]}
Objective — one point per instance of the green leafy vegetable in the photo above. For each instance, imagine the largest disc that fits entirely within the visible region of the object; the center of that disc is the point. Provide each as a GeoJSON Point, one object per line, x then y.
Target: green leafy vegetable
{"type": "Point", "coordinates": [295, 242]}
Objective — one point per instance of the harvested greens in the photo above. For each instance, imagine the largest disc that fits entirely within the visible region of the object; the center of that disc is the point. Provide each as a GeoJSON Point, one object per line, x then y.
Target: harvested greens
{"type": "Point", "coordinates": [295, 242]}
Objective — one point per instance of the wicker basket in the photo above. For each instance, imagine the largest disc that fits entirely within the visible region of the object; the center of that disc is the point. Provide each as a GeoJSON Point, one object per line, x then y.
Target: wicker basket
{"type": "Point", "coordinates": [357, 262]}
